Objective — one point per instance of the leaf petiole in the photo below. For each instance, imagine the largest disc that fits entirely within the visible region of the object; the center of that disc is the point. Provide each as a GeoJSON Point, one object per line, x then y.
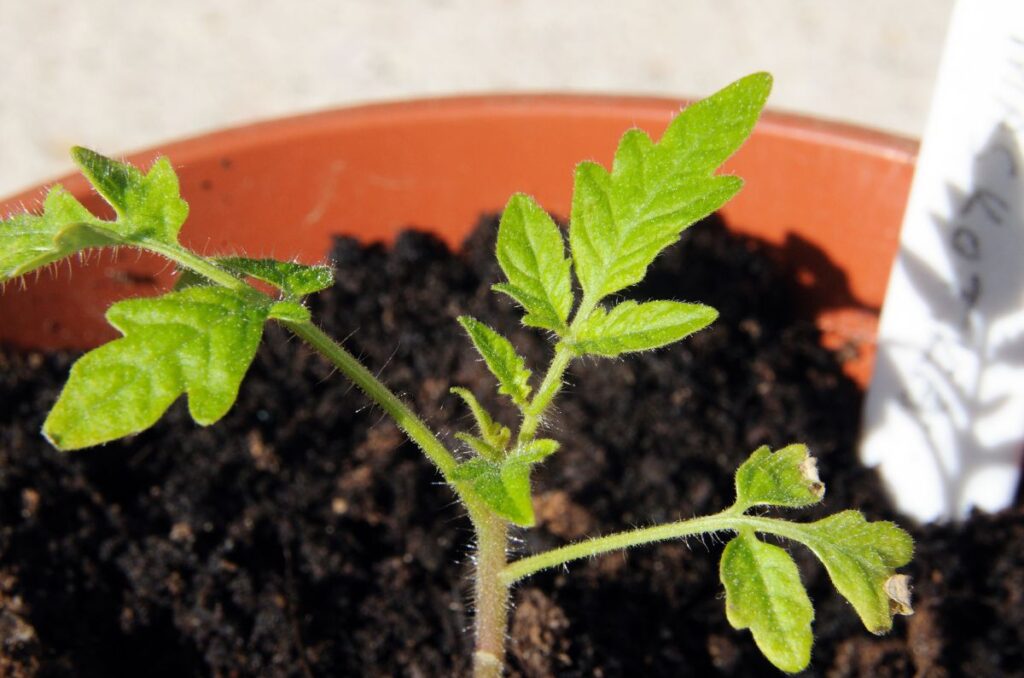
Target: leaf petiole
{"type": "Point", "coordinates": [406, 419]}
{"type": "Point", "coordinates": [533, 413]}
{"type": "Point", "coordinates": [727, 520]}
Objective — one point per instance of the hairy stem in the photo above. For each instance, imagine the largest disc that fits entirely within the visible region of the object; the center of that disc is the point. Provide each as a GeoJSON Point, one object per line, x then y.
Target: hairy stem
{"type": "Point", "coordinates": [406, 419]}
{"type": "Point", "coordinates": [199, 264]}
{"type": "Point", "coordinates": [552, 383]}
{"type": "Point", "coordinates": [413, 426]}
{"type": "Point", "coordinates": [490, 592]}
{"type": "Point", "coordinates": [545, 394]}
{"type": "Point", "coordinates": [728, 520]}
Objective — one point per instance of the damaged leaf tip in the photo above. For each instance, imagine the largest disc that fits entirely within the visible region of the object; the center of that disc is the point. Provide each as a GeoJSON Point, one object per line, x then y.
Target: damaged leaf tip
{"type": "Point", "coordinates": [787, 477]}
{"type": "Point", "coordinates": [809, 470]}
{"type": "Point", "coordinates": [898, 588]}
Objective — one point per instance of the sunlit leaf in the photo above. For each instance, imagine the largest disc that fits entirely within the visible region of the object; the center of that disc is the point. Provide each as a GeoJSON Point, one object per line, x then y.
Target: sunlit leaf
{"type": "Point", "coordinates": [531, 252]}
{"type": "Point", "coordinates": [29, 242]}
{"type": "Point", "coordinates": [630, 327]}
{"type": "Point", "coordinates": [147, 205]}
{"type": "Point", "coordinates": [763, 592]}
{"type": "Point", "coordinates": [861, 557]}
{"type": "Point", "coordinates": [787, 477]}
{"type": "Point", "coordinates": [501, 359]}
{"type": "Point", "coordinates": [621, 220]}
{"type": "Point", "coordinates": [198, 341]}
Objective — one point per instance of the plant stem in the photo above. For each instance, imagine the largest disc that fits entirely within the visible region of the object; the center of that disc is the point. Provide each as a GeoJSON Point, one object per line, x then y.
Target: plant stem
{"type": "Point", "coordinates": [728, 520]}
{"type": "Point", "coordinates": [491, 593]}
{"type": "Point", "coordinates": [545, 394]}
{"type": "Point", "coordinates": [198, 264]}
{"type": "Point", "coordinates": [552, 382]}
{"type": "Point", "coordinates": [413, 426]}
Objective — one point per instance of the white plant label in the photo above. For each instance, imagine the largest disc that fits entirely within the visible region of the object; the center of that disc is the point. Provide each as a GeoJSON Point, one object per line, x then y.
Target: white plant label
{"type": "Point", "coordinates": [944, 417]}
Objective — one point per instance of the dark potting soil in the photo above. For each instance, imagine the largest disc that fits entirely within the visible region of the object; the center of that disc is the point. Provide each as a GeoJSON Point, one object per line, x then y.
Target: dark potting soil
{"type": "Point", "coordinates": [302, 535]}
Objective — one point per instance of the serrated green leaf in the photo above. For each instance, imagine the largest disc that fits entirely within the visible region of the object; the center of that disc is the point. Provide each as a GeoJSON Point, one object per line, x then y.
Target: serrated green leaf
{"type": "Point", "coordinates": [29, 242]}
{"type": "Point", "coordinates": [763, 592]}
{"type": "Point", "coordinates": [295, 280]}
{"type": "Point", "coordinates": [787, 477]}
{"type": "Point", "coordinates": [861, 558]}
{"type": "Point", "coordinates": [147, 205]}
{"type": "Point", "coordinates": [639, 327]}
{"type": "Point", "coordinates": [198, 341]}
{"type": "Point", "coordinates": [503, 486]}
{"type": "Point", "coordinates": [494, 434]}
{"type": "Point", "coordinates": [501, 359]}
{"type": "Point", "coordinates": [531, 252]}
{"type": "Point", "coordinates": [621, 221]}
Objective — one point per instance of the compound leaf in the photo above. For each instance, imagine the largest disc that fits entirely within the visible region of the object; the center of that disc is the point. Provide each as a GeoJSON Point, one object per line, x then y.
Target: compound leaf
{"type": "Point", "coordinates": [531, 253]}
{"type": "Point", "coordinates": [30, 241]}
{"type": "Point", "coordinates": [861, 558]}
{"type": "Point", "coordinates": [147, 205]}
{"type": "Point", "coordinates": [630, 326]}
{"type": "Point", "coordinates": [501, 359]}
{"type": "Point", "coordinates": [787, 477]}
{"type": "Point", "coordinates": [763, 592]}
{"type": "Point", "coordinates": [621, 220]}
{"type": "Point", "coordinates": [198, 341]}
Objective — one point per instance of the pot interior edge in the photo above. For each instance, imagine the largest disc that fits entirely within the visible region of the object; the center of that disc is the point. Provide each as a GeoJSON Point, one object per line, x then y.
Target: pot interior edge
{"type": "Point", "coordinates": [829, 195]}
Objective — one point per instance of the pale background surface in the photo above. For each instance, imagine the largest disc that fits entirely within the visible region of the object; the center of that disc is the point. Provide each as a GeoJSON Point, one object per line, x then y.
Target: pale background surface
{"type": "Point", "coordinates": [118, 75]}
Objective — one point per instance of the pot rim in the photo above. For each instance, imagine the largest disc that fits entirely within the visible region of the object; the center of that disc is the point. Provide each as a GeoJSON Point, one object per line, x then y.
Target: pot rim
{"type": "Point", "coordinates": [828, 196]}
{"type": "Point", "coordinates": [186, 149]}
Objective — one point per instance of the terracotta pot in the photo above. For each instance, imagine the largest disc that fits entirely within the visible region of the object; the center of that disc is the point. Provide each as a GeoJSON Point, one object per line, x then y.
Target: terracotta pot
{"type": "Point", "coordinates": [283, 188]}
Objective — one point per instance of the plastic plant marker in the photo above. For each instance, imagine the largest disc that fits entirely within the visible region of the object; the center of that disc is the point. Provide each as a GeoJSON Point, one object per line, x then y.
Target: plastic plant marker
{"type": "Point", "coordinates": [944, 417]}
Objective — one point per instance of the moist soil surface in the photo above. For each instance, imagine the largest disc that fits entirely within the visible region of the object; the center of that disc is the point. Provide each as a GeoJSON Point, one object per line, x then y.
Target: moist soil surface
{"type": "Point", "coordinates": [303, 536]}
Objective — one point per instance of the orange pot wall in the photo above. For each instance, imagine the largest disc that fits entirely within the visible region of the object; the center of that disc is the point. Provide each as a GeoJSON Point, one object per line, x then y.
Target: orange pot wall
{"type": "Point", "coordinates": [282, 188]}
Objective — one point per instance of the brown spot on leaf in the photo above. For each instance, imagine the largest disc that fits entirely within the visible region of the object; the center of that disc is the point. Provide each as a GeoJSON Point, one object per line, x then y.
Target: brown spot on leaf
{"type": "Point", "coordinates": [897, 587]}
{"type": "Point", "coordinates": [809, 470]}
